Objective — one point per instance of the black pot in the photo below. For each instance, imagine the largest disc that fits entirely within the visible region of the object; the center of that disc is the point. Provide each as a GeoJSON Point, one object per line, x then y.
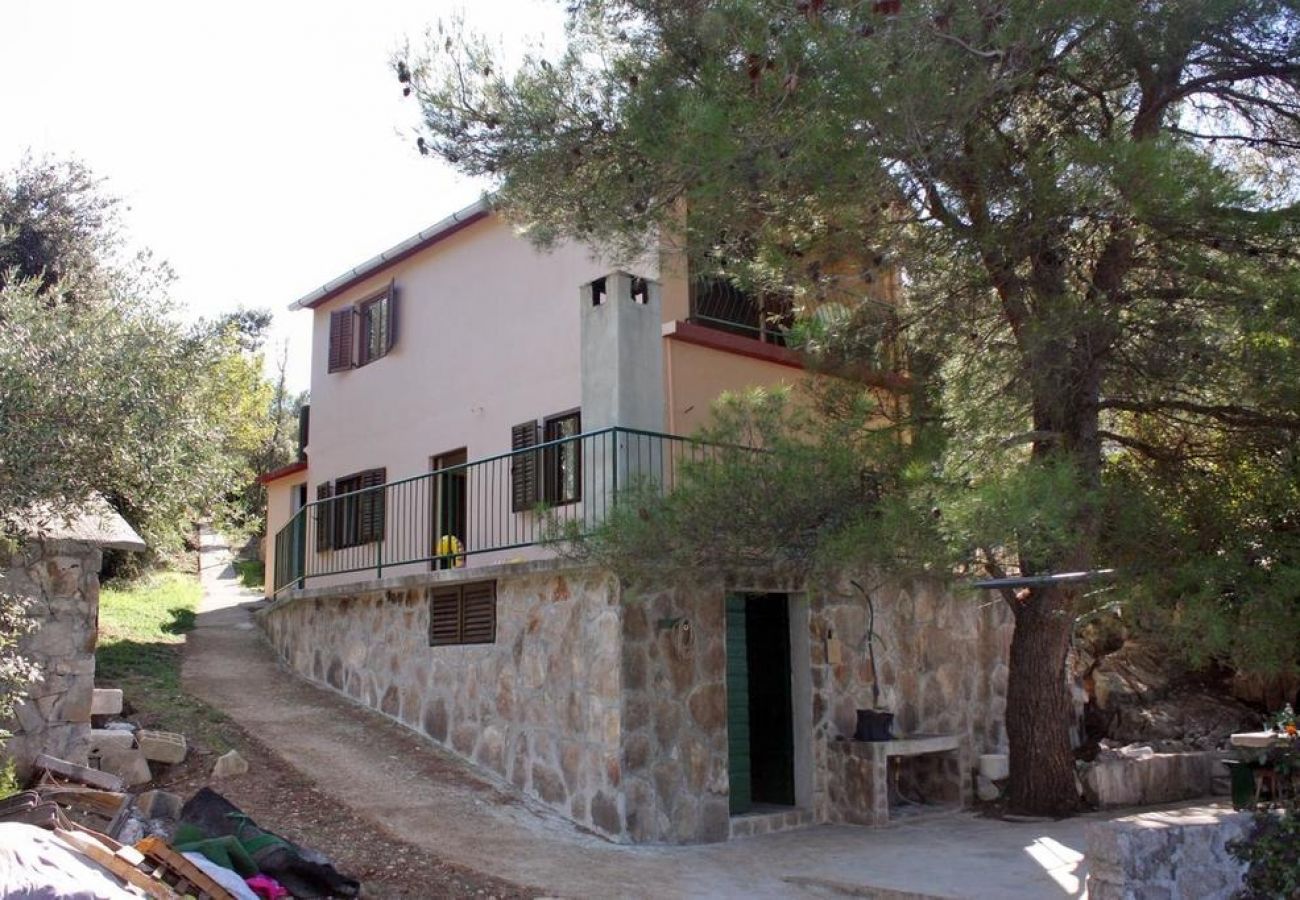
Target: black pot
{"type": "Point", "coordinates": [874, 725]}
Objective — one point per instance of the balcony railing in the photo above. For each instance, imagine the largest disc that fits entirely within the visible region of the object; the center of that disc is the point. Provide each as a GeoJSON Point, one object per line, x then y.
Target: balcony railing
{"type": "Point", "coordinates": [443, 518]}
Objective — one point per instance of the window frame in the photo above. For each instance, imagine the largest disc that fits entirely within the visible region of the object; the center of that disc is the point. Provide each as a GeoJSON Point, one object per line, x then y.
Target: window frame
{"type": "Point", "coordinates": [351, 332]}
{"type": "Point", "coordinates": [553, 458]}
{"type": "Point", "coordinates": [365, 335]}
{"type": "Point", "coordinates": [351, 509]}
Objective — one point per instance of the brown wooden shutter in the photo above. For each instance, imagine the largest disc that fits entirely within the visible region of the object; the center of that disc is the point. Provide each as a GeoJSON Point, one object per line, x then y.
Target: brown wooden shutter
{"type": "Point", "coordinates": [324, 517]}
{"type": "Point", "coordinates": [391, 337]}
{"type": "Point", "coordinates": [444, 616]}
{"type": "Point", "coordinates": [370, 506]}
{"type": "Point", "coordinates": [524, 487]}
{"type": "Point", "coordinates": [342, 339]}
{"type": "Point", "coordinates": [479, 613]}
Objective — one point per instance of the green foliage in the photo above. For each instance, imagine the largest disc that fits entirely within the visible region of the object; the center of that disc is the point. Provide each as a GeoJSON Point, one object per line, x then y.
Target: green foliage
{"type": "Point", "coordinates": [1272, 854]}
{"type": "Point", "coordinates": [56, 225]}
{"type": "Point", "coordinates": [9, 784]}
{"type": "Point", "coordinates": [252, 573]}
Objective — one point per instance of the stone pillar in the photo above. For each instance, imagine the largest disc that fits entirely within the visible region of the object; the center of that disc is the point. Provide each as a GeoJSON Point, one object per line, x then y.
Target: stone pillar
{"type": "Point", "coordinates": [61, 580]}
{"type": "Point", "coordinates": [622, 383]}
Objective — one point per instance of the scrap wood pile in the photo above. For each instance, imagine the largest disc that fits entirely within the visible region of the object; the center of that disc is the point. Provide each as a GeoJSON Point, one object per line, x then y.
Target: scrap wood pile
{"type": "Point", "coordinates": [67, 837]}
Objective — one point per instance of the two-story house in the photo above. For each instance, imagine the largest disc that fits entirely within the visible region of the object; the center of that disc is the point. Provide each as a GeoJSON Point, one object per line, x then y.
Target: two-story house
{"type": "Point", "coordinates": [469, 394]}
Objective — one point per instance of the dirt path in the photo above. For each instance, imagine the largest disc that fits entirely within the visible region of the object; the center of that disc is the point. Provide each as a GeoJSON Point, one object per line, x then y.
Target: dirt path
{"type": "Point", "coordinates": [405, 786]}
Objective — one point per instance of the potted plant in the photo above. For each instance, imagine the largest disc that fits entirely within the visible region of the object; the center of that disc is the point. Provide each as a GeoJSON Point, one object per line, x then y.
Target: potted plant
{"type": "Point", "coordinates": [874, 724]}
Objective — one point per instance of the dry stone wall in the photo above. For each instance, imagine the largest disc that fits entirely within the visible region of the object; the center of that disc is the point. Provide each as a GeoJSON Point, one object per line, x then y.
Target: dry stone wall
{"type": "Point", "coordinates": [541, 707]}
{"type": "Point", "coordinates": [61, 578]}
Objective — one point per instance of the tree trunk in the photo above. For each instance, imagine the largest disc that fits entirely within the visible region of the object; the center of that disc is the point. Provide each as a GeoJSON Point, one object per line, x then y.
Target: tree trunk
{"type": "Point", "coordinates": [1039, 711]}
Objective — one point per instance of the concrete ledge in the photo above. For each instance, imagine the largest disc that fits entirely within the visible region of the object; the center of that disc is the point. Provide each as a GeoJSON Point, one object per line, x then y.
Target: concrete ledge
{"type": "Point", "coordinates": [1179, 853]}
{"type": "Point", "coordinates": [425, 579]}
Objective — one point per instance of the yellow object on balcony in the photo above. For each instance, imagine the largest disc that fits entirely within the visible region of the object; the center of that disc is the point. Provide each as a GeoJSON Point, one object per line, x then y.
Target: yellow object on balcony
{"type": "Point", "coordinates": [450, 546]}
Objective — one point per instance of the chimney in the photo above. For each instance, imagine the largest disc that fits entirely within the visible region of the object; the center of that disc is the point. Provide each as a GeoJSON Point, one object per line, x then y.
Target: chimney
{"type": "Point", "coordinates": [622, 354]}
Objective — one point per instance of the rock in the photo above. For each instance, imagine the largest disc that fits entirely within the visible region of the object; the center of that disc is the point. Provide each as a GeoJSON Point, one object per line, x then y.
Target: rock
{"type": "Point", "coordinates": [230, 764]}
{"type": "Point", "coordinates": [159, 805]}
{"type": "Point", "coordinates": [162, 746]}
{"type": "Point", "coordinates": [1135, 672]}
{"type": "Point", "coordinates": [132, 830]}
{"type": "Point", "coordinates": [106, 702]}
{"type": "Point", "coordinates": [104, 737]}
{"type": "Point", "coordinates": [1192, 720]}
{"type": "Point", "coordinates": [986, 789]}
{"type": "Point", "coordinates": [127, 763]}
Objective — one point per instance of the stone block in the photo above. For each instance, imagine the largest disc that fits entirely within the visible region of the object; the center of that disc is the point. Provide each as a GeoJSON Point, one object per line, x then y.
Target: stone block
{"type": "Point", "coordinates": [162, 746]}
{"type": "Point", "coordinates": [159, 805]}
{"type": "Point", "coordinates": [230, 764]}
{"type": "Point", "coordinates": [127, 763]}
{"type": "Point", "coordinates": [106, 702]}
{"type": "Point", "coordinates": [103, 737]}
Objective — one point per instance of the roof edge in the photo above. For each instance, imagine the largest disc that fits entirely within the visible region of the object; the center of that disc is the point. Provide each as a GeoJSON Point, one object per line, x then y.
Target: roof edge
{"type": "Point", "coordinates": [441, 230]}
{"type": "Point", "coordinates": [292, 468]}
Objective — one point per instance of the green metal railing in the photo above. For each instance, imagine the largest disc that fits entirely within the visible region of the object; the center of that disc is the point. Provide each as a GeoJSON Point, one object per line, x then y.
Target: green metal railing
{"type": "Point", "coordinates": [501, 503]}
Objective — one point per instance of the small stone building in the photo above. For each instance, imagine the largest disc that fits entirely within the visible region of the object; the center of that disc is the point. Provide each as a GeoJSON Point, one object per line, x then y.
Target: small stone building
{"type": "Point", "coordinates": [56, 565]}
{"type": "Point", "coordinates": [669, 715]}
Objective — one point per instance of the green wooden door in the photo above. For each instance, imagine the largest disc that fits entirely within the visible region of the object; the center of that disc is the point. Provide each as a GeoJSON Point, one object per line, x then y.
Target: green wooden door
{"type": "Point", "coordinates": [738, 707]}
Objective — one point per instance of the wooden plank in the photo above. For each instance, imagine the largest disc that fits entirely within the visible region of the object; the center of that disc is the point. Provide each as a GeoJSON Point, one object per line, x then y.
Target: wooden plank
{"type": "Point", "coordinates": [157, 849]}
{"type": "Point", "coordinates": [89, 847]}
{"type": "Point", "coordinates": [83, 774]}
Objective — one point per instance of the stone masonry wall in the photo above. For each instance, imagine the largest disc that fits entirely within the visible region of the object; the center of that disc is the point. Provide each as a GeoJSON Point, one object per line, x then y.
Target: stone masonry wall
{"type": "Point", "coordinates": [62, 580]}
{"type": "Point", "coordinates": [541, 707]}
{"type": "Point", "coordinates": [675, 715]}
{"type": "Point", "coordinates": [1179, 854]}
{"type": "Point", "coordinates": [942, 665]}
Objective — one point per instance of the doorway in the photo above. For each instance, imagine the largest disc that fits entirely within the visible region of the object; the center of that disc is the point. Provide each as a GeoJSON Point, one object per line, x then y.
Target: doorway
{"type": "Point", "coordinates": [760, 722]}
{"type": "Point", "coordinates": [450, 510]}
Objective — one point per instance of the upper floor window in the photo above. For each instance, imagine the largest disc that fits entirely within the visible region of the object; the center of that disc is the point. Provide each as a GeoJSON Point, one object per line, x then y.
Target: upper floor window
{"type": "Point", "coordinates": [553, 474]}
{"type": "Point", "coordinates": [365, 332]}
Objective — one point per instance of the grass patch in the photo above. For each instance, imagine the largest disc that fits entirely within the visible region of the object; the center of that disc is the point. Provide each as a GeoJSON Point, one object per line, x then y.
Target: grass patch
{"type": "Point", "coordinates": [142, 626]}
{"type": "Point", "coordinates": [252, 573]}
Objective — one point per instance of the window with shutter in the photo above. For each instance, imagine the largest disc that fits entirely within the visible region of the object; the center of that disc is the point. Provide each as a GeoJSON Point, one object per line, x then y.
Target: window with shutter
{"type": "Point", "coordinates": [324, 518]}
{"type": "Point", "coordinates": [463, 614]}
{"type": "Point", "coordinates": [524, 487]}
{"type": "Point", "coordinates": [562, 462]}
{"type": "Point", "coordinates": [378, 325]}
{"type": "Point", "coordinates": [370, 506]}
{"type": "Point", "coordinates": [478, 616]}
{"type": "Point", "coordinates": [341, 339]}
{"type": "Point", "coordinates": [359, 513]}
{"type": "Point", "coordinates": [444, 616]}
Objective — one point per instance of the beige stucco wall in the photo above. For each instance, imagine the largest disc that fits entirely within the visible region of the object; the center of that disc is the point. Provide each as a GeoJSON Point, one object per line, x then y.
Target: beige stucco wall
{"type": "Point", "coordinates": [694, 377]}
{"type": "Point", "coordinates": [280, 507]}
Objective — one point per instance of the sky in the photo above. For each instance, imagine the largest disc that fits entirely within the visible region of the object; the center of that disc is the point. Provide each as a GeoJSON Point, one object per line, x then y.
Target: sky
{"type": "Point", "coordinates": [261, 149]}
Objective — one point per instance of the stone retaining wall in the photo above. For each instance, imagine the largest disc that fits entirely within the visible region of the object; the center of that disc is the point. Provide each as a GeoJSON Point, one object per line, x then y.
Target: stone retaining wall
{"type": "Point", "coordinates": [62, 580]}
{"type": "Point", "coordinates": [541, 707]}
{"type": "Point", "coordinates": [609, 703]}
{"type": "Point", "coordinates": [1176, 854]}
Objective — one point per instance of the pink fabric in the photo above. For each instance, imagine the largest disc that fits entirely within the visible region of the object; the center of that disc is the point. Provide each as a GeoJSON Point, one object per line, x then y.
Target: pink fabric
{"type": "Point", "coordinates": [266, 887]}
